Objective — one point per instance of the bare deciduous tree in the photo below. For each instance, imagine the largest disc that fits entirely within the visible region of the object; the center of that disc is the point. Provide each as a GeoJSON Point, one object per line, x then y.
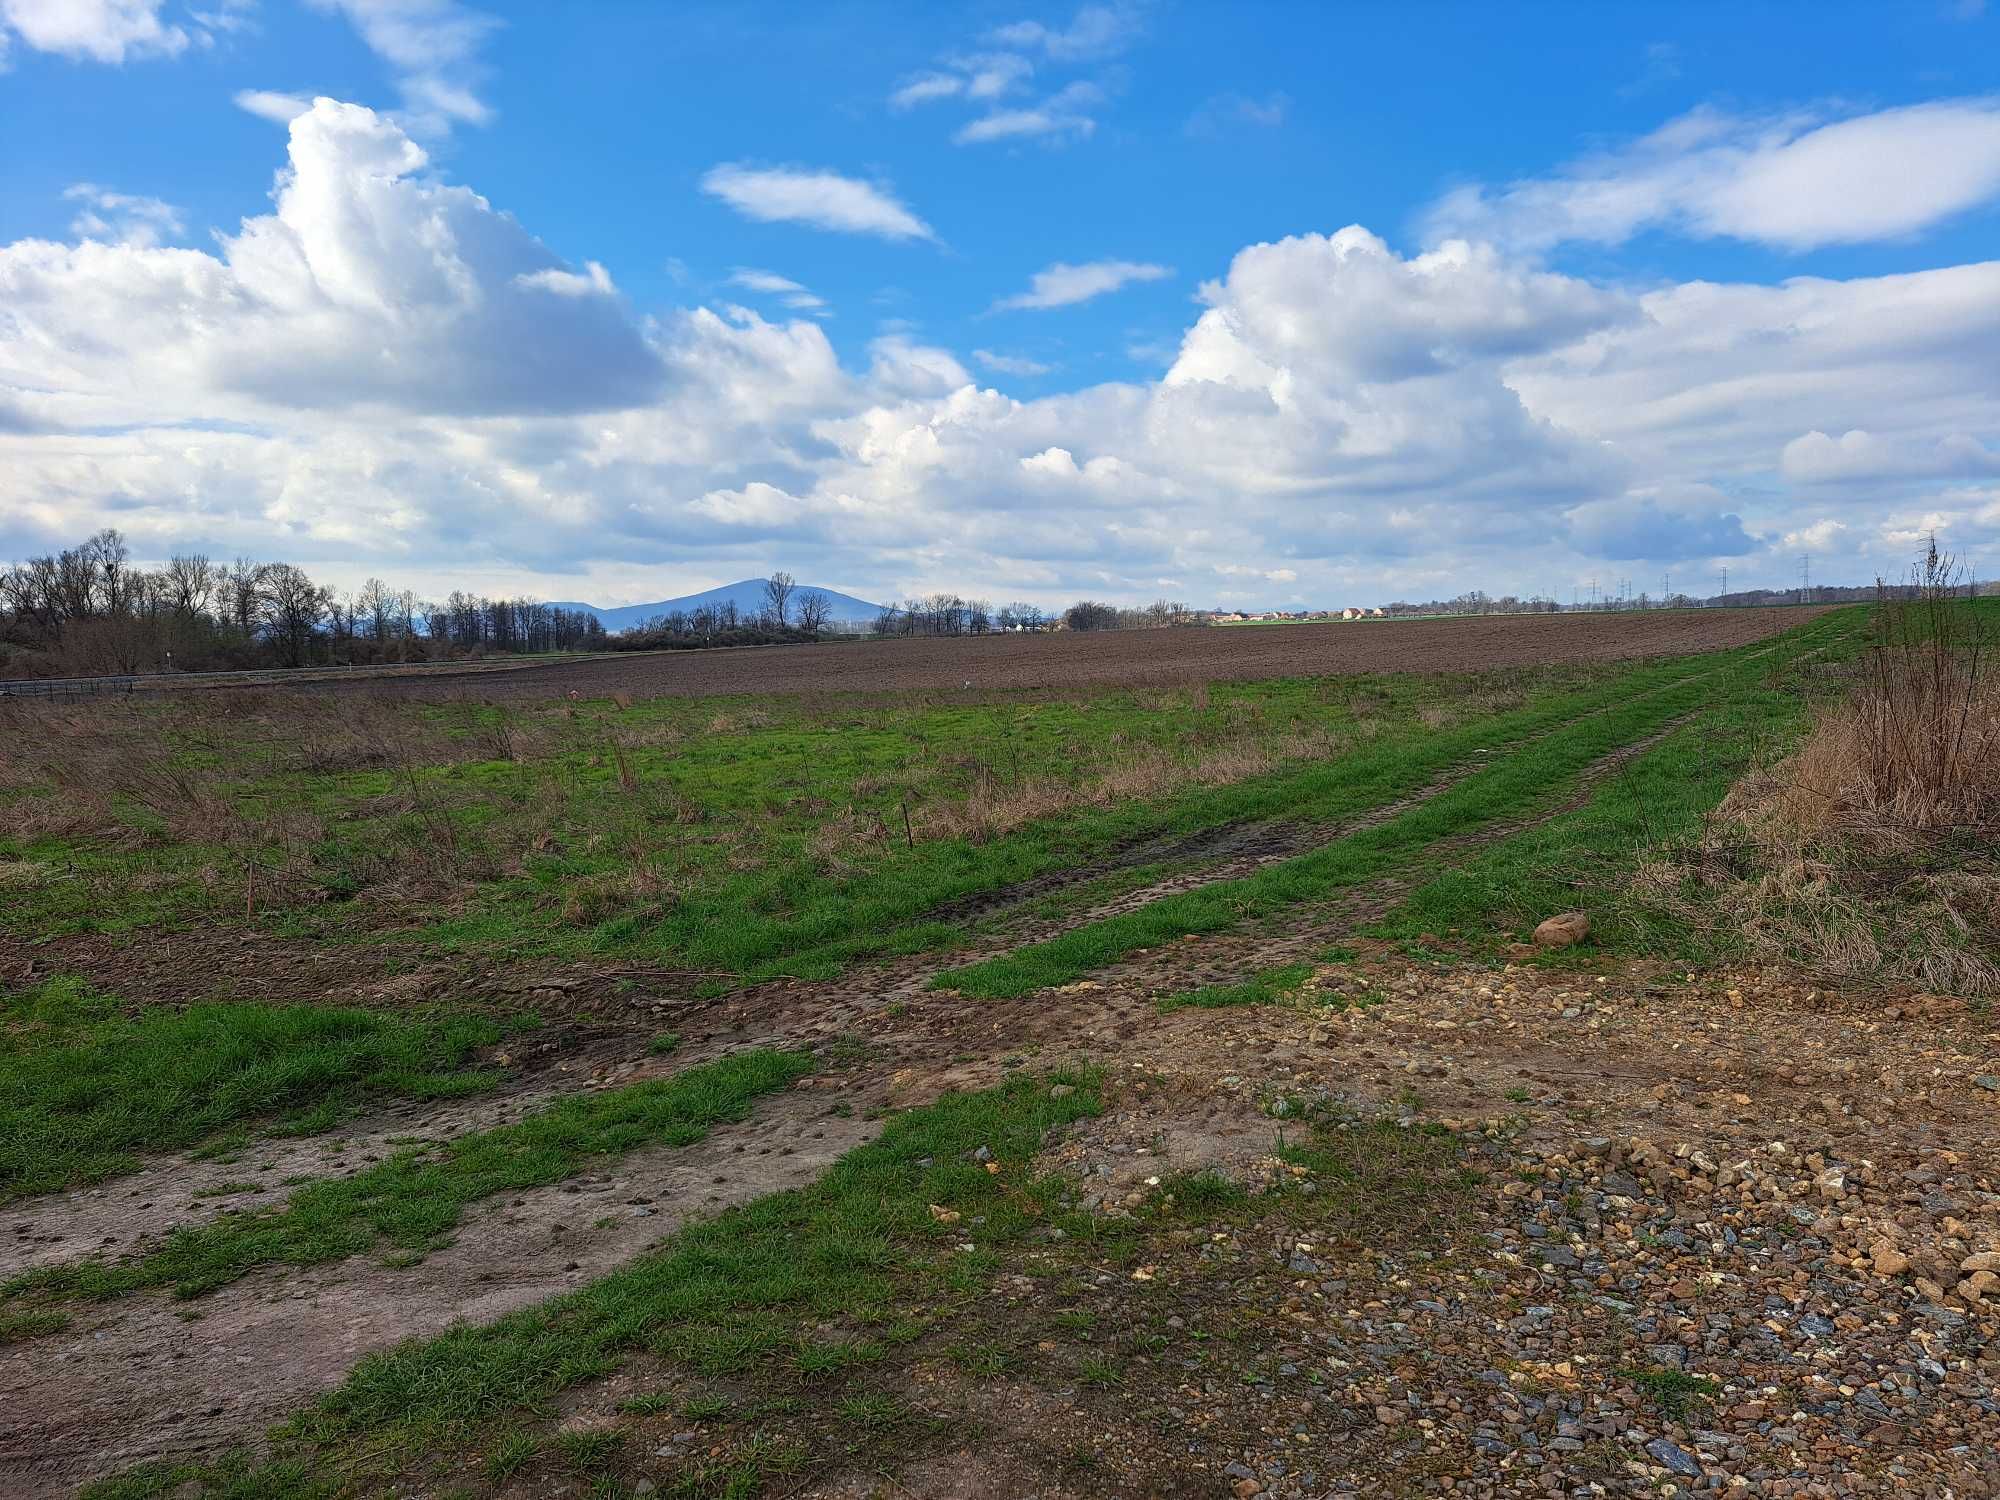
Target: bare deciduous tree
{"type": "Point", "coordinates": [245, 595]}
{"type": "Point", "coordinates": [191, 581]}
{"type": "Point", "coordinates": [778, 591]}
{"type": "Point", "coordinates": [375, 607]}
{"type": "Point", "coordinates": [294, 607]}
{"type": "Point", "coordinates": [814, 611]}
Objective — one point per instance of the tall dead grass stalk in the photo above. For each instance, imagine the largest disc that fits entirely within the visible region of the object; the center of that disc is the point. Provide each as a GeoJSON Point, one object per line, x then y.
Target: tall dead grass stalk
{"type": "Point", "coordinates": [1868, 853]}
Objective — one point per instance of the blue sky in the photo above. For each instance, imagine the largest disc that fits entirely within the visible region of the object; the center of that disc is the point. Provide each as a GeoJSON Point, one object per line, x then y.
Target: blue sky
{"type": "Point", "coordinates": [905, 297]}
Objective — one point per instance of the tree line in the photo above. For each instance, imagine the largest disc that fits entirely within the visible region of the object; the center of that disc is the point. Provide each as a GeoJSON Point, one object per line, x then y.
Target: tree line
{"type": "Point", "coordinates": [948, 614]}
{"type": "Point", "coordinates": [88, 610]}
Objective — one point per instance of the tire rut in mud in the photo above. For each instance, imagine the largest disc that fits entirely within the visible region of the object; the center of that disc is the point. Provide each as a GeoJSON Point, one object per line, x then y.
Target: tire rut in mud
{"type": "Point", "coordinates": [1372, 901]}
{"type": "Point", "coordinates": [132, 1380]}
{"type": "Point", "coordinates": [123, 1214]}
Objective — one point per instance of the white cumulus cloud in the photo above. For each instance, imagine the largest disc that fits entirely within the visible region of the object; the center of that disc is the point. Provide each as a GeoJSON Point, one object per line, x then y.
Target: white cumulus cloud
{"type": "Point", "coordinates": [1062, 285]}
{"type": "Point", "coordinates": [1797, 182]}
{"type": "Point", "coordinates": [1859, 455]}
{"type": "Point", "coordinates": [368, 284]}
{"type": "Point", "coordinates": [106, 31]}
{"type": "Point", "coordinates": [825, 200]}
{"type": "Point", "coordinates": [121, 218]}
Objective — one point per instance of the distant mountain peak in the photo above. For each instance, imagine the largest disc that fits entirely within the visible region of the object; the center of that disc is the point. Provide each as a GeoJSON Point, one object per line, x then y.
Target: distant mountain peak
{"type": "Point", "coordinates": [747, 594]}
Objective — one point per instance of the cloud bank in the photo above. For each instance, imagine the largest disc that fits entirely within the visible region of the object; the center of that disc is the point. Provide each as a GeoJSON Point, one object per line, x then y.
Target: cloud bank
{"type": "Point", "coordinates": [387, 374]}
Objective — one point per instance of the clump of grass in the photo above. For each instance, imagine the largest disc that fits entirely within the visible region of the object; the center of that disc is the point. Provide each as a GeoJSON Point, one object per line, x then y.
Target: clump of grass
{"type": "Point", "coordinates": [1305, 986]}
{"type": "Point", "coordinates": [511, 1454]}
{"type": "Point", "coordinates": [1377, 1171]}
{"type": "Point", "coordinates": [84, 1087]}
{"type": "Point", "coordinates": [1197, 1195]}
{"type": "Point", "coordinates": [1273, 987]}
{"type": "Point", "coordinates": [19, 1327]}
{"type": "Point", "coordinates": [648, 1403]}
{"type": "Point", "coordinates": [664, 1043]}
{"type": "Point", "coordinates": [589, 1451]}
{"type": "Point", "coordinates": [415, 1198]}
{"type": "Point", "coordinates": [1674, 1392]}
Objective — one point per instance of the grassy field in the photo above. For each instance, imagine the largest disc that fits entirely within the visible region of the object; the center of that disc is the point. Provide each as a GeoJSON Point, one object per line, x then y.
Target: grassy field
{"type": "Point", "coordinates": [737, 840]}
{"type": "Point", "coordinates": [1551, 744]}
{"type": "Point", "coordinates": [720, 843]}
{"type": "Point", "coordinates": [727, 836]}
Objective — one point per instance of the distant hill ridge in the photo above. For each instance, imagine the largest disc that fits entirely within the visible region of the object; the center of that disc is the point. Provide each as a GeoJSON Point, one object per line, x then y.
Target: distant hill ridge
{"type": "Point", "coordinates": [747, 595]}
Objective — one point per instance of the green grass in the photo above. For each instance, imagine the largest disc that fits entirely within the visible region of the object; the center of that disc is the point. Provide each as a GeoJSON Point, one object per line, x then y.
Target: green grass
{"type": "Point", "coordinates": [1674, 1392]}
{"type": "Point", "coordinates": [877, 917]}
{"type": "Point", "coordinates": [234, 1476]}
{"type": "Point", "coordinates": [1379, 1172]}
{"type": "Point", "coordinates": [19, 1327]}
{"type": "Point", "coordinates": [736, 836]}
{"type": "Point", "coordinates": [414, 1200]}
{"type": "Point", "coordinates": [1280, 985]}
{"type": "Point", "coordinates": [85, 1088]}
{"type": "Point", "coordinates": [1511, 784]}
{"type": "Point", "coordinates": [740, 1295]}
{"type": "Point", "coordinates": [1199, 1195]}
{"type": "Point", "coordinates": [1271, 987]}
{"type": "Point", "coordinates": [1658, 800]}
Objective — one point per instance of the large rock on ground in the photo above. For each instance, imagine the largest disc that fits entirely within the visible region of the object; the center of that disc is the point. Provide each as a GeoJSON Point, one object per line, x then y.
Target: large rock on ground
{"type": "Point", "coordinates": [1563, 930]}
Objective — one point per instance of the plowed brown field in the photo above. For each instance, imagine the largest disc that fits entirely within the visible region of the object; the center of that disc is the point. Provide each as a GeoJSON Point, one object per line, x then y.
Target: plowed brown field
{"type": "Point", "coordinates": [1129, 658]}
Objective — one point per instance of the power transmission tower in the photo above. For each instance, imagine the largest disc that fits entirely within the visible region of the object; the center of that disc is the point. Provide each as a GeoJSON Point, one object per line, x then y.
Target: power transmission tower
{"type": "Point", "coordinates": [1805, 578]}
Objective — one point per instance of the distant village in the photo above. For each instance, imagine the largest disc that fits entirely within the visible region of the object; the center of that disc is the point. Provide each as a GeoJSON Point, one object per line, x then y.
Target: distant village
{"type": "Point", "coordinates": [1240, 617]}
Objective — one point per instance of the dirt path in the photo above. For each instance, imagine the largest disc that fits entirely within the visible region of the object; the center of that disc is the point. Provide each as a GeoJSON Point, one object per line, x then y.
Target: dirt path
{"type": "Point", "coordinates": [1688, 1174]}
{"type": "Point", "coordinates": [1725, 1065]}
{"type": "Point", "coordinates": [119, 1217]}
{"type": "Point", "coordinates": [135, 1379]}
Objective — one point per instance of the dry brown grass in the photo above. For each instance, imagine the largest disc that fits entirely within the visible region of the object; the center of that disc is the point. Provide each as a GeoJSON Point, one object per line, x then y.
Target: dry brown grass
{"type": "Point", "coordinates": [1910, 755]}
{"type": "Point", "coordinates": [995, 806]}
{"type": "Point", "coordinates": [1867, 854]}
{"type": "Point", "coordinates": [200, 773]}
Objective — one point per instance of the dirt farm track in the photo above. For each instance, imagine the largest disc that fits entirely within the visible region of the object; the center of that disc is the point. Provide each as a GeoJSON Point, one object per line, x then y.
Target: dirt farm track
{"type": "Point", "coordinates": [1128, 658]}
